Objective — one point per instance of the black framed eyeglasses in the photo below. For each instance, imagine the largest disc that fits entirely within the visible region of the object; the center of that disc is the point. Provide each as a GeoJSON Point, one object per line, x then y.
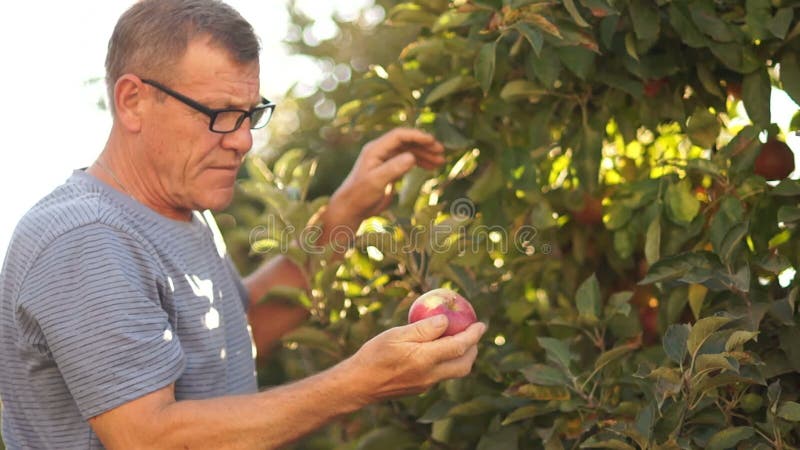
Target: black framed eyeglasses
{"type": "Point", "coordinates": [225, 120]}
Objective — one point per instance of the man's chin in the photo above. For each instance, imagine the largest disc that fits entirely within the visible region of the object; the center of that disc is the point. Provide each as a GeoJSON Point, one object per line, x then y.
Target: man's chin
{"type": "Point", "coordinates": [218, 201]}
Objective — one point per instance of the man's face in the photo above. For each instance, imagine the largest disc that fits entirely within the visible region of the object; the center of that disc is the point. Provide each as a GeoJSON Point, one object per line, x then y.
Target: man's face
{"type": "Point", "coordinates": [194, 168]}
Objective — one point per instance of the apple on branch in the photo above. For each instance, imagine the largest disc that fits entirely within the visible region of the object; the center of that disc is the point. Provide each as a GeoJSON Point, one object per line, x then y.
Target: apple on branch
{"type": "Point", "coordinates": [458, 310]}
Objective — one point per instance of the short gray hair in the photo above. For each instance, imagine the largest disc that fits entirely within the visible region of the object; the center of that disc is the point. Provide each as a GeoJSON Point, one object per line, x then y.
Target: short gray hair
{"type": "Point", "coordinates": [152, 35]}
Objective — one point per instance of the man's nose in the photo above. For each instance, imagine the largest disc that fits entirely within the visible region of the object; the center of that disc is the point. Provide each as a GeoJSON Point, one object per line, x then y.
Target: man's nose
{"type": "Point", "coordinates": [240, 140]}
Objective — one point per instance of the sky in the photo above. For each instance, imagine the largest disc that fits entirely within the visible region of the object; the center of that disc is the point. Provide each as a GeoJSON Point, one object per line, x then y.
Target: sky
{"type": "Point", "coordinates": [52, 50]}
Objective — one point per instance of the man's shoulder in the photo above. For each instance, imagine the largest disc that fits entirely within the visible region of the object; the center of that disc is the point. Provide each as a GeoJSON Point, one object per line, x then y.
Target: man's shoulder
{"type": "Point", "coordinates": [73, 206]}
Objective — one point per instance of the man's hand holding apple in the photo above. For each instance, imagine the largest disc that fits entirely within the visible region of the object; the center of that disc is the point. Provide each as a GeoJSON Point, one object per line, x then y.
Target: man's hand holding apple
{"type": "Point", "coordinates": [410, 359]}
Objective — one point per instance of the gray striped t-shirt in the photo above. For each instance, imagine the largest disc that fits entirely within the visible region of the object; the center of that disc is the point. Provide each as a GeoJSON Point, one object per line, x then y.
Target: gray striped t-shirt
{"type": "Point", "coordinates": [102, 301]}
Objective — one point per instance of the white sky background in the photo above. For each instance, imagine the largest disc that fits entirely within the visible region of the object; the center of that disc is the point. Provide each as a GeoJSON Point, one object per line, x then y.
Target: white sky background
{"type": "Point", "coordinates": [49, 118]}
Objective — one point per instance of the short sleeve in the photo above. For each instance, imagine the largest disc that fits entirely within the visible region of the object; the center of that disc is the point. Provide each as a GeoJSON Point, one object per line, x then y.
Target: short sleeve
{"type": "Point", "coordinates": [93, 297]}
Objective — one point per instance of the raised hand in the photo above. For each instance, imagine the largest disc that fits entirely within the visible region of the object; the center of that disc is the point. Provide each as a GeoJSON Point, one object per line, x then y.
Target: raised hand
{"type": "Point", "coordinates": [367, 189]}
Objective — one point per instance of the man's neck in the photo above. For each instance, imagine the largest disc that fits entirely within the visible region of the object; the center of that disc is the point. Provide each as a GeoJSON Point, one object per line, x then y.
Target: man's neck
{"type": "Point", "coordinates": [116, 168]}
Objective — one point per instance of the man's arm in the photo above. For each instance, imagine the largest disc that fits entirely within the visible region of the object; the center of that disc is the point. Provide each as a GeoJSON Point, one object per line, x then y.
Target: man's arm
{"type": "Point", "coordinates": [400, 361]}
{"type": "Point", "coordinates": [364, 193]}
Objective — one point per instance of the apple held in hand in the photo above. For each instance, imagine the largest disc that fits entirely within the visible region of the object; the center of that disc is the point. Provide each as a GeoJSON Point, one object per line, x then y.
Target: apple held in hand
{"type": "Point", "coordinates": [458, 310]}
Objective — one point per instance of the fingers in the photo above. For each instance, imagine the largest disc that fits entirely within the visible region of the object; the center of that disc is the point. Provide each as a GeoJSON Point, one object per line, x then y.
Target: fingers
{"type": "Point", "coordinates": [456, 346]}
{"type": "Point", "coordinates": [425, 330]}
{"type": "Point", "coordinates": [458, 367]}
{"type": "Point", "coordinates": [422, 145]}
{"type": "Point", "coordinates": [393, 169]}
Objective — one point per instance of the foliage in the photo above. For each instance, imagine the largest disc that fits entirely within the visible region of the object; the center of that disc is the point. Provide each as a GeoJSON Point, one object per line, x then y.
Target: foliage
{"type": "Point", "coordinates": [670, 323]}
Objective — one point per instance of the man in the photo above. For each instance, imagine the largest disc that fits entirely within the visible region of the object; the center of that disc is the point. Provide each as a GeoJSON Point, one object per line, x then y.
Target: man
{"type": "Point", "coordinates": [122, 321]}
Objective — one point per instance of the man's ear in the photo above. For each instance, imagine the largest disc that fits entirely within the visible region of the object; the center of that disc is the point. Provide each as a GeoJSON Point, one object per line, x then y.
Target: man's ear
{"type": "Point", "coordinates": [128, 102]}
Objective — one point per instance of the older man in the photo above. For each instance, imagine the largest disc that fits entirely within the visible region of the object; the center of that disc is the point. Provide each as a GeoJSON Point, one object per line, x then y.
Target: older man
{"type": "Point", "coordinates": [123, 323]}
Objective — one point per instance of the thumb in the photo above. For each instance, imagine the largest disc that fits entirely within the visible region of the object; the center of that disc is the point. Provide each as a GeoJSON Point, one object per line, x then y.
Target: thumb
{"type": "Point", "coordinates": [395, 167]}
{"type": "Point", "coordinates": [428, 329]}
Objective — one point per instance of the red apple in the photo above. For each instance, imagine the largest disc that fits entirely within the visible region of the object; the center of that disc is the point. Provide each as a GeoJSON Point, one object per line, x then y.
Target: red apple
{"type": "Point", "coordinates": [458, 310]}
{"type": "Point", "coordinates": [775, 160]}
{"type": "Point", "coordinates": [591, 213]}
{"type": "Point", "coordinates": [653, 87]}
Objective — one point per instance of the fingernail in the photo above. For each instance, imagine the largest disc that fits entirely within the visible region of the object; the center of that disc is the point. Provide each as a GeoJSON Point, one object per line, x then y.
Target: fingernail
{"type": "Point", "coordinates": [439, 320]}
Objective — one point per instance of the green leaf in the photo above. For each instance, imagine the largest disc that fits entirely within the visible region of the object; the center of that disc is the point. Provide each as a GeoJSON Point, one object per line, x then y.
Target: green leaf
{"type": "Point", "coordinates": [708, 79]}
{"type": "Point", "coordinates": [697, 297]}
{"type": "Point", "coordinates": [682, 206]}
{"type": "Point", "coordinates": [680, 19]}
{"type": "Point", "coordinates": [621, 82]}
{"type": "Point", "coordinates": [705, 363]}
{"type": "Point", "coordinates": [521, 90]}
{"type": "Point", "coordinates": [608, 27]}
{"type": "Point", "coordinates": [615, 353]}
{"type": "Point", "coordinates": [387, 437]}
{"type": "Point", "coordinates": [738, 339]}
{"type": "Point", "coordinates": [674, 342]}
{"type": "Point", "coordinates": [534, 37]}
{"type": "Point", "coordinates": [756, 90]}
{"type": "Point", "coordinates": [544, 24]}
{"type": "Point", "coordinates": [506, 438]}
{"type": "Point", "coordinates": [623, 243]}
{"type": "Point", "coordinates": [557, 351]}
{"type": "Point", "coordinates": [450, 19]}
{"type": "Point", "coordinates": [542, 393]}
{"type": "Point", "coordinates": [573, 12]}
{"type": "Point", "coordinates": [527, 412]}
{"type": "Point", "coordinates": [287, 293]}
{"type": "Point", "coordinates": [645, 420]}
{"type": "Point", "coordinates": [313, 338]}
{"type": "Point", "coordinates": [676, 266]}
{"type": "Point", "coordinates": [788, 214]}
{"type": "Point", "coordinates": [731, 240]}
{"type": "Point", "coordinates": [789, 411]}
{"type": "Point", "coordinates": [652, 246]}
{"type": "Point", "coordinates": [618, 303]}
{"type": "Point", "coordinates": [646, 20]}
{"type": "Point", "coordinates": [546, 67]}
{"type": "Point", "coordinates": [587, 299]}
{"type": "Point", "coordinates": [704, 166]}
{"type": "Point", "coordinates": [437, 411]}
{"type": "Point", "coordinates": [703, 128]}
{"type": "Point", "coordinates": [702, 330]}
{"type": "Point", "coordinates": [630, 46]}
{"type": "Point", "coordinates": [452, 139]}
{"type": "Point", "coordinates": [578, 60]}
{"type": "Point", "coordinates": [489, 182]}
{"type": "Point", "coordinates": [774, 392]}
{"type": "Point", "coordinates": [709, 21]}
{"type": "Point", "coordinates": [729, 437]}
{"type": "Point", "coordinates": [476, 406]}
{"type": "Point", "coordinates": [614, 444]}
{"type": "Point", "coordinates": [790, 75]}
{"type": "Point", "coordinates": [485, 65]}
{"type": "Point", "coordinates": [728, 216]}
{"type": "Point", "coordinates": [410, 14]}
{"type": "Point", "coordinates": [449, 87]}
{"type": "Point", "coordinates": [759, 12]}
{"type": "Point", "coordinates": [545, 375]}
{"type": "Point", "coordinates": [788, 188]}
{"type": "Point", "coordinates": [779, 24]}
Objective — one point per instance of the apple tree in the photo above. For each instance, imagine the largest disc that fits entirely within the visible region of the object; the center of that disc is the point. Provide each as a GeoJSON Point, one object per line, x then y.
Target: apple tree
{"type": "Point", "coordinates": [616, 205]}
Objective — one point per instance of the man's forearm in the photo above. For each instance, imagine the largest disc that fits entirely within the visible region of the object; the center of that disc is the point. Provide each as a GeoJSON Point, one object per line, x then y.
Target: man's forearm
{"type": "Point", "coordinates": [269, 419]}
